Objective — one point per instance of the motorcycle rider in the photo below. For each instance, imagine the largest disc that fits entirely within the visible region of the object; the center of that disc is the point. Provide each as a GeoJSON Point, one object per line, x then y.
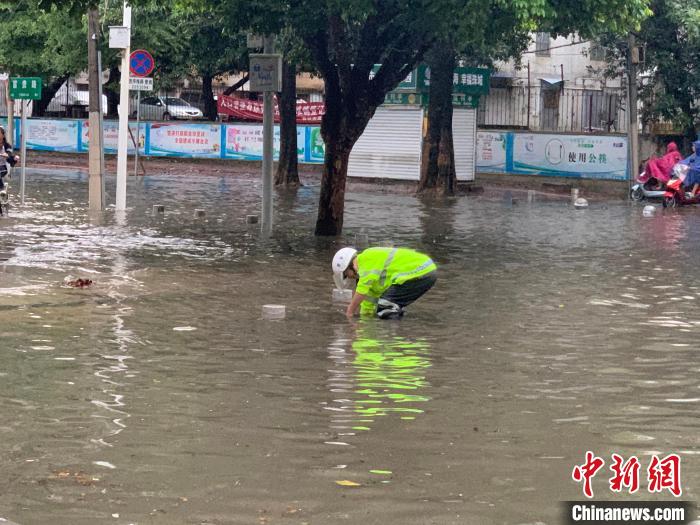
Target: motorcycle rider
{"type": "Point", "coordinates": [660, 168]}
{"type": "Point", "coordinates": [693, 178]}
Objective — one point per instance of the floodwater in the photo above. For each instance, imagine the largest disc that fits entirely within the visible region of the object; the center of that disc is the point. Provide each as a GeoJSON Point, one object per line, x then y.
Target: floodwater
{"type": "Point", "coordinates": [160, 395]}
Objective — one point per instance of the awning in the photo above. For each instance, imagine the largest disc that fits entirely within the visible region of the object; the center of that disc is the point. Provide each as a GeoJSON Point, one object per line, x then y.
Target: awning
{"type": "Point", "coordinates": [502, 74]}
{"type": "Point", "coordinates": [552, 81]}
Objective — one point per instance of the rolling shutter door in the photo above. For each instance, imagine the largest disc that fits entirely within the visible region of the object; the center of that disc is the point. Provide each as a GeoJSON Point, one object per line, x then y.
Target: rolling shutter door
{"type": "Point", "coordinates": [464, 132]}
{"type": "Point", "coordinates": [390, 147]}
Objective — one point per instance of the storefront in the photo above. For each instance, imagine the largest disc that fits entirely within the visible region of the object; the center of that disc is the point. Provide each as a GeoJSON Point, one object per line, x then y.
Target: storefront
{"type": "Point", "coordinates": [391, 145]}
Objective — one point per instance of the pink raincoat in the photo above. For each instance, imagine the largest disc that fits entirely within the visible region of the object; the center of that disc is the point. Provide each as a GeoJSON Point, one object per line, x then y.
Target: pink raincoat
{"type": "Point", "coordinates": [660, 168]}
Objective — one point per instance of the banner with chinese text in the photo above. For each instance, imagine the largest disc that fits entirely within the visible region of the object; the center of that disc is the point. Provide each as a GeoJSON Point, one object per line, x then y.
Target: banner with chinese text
{"type": "Point", "coordinates": [307, 112]}
{"type": "Point", "coordinates": [111, 137]}
{"type": "Point", "coordinates": [52, 135]}
{"type": "Point", "coordinates": [184, 140]}
{"type": "Point", "coordinates": [491, 151]}
{"type": "Point", "coordinates": [581, 156]}
{"type": "Point", "coordinates": [245, 142]}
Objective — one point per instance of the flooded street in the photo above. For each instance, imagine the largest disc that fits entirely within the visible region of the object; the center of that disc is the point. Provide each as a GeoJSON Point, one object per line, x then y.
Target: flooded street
{"type": "Point", "coordinates": [160, 396]}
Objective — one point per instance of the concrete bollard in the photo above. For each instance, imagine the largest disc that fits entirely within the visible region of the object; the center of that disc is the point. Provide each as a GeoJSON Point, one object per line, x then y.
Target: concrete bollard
{"type": "Point", "coordinates": [200, 213]}
{"type": "Point", "coordinates": [158, 208]}
{"type": "Point", "coordinates": [580, 203]}
{"type": "Point", "coordinates": [574, 194]}
{"type": "Point", "coordinates": [273, 311]}
{"type": "Point", "coordinates": [251, 219]}
{"type": "Point", "coordinates": [508, 199]}
{"type": "Point", "coordinates": [530, 196]}
{"type": "Point", "coordinates": [342, 296]}
{"type": "Point", "coordinates": [361, 240]}
{"type": "Point", "coordinates": [649, 211]}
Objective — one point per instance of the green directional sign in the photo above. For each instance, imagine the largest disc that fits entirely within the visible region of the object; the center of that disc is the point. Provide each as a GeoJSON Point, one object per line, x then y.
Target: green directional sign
{"type": "Point", "coordinates": [25, 88]}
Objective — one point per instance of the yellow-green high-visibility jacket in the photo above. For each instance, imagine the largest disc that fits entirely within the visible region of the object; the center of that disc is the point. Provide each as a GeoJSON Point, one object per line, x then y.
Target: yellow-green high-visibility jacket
{"type": "Point", "coordinates": [380, 268]}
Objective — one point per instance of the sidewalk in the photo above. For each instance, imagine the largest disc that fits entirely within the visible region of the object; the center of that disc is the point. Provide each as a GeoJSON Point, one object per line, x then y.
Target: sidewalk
{"type": "Point", "coordinates": [489, 184]}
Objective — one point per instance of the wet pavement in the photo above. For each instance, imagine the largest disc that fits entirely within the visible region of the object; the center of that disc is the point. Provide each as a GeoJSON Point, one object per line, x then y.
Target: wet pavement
{"type": "Point", "coordinates": [159, 395]}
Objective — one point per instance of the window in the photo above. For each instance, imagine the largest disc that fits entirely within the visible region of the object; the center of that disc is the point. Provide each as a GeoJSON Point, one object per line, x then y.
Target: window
{"type": "Point", "coordinates": [596, 53]}
{"type": "Point", "coordinates": [542, 44]}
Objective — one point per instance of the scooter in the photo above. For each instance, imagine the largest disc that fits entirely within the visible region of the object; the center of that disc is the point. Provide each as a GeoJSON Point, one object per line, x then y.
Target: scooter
{"type": "Point", "coordinates": [647, 187]}
{"type": "Point", "coordinates": [675, 194]}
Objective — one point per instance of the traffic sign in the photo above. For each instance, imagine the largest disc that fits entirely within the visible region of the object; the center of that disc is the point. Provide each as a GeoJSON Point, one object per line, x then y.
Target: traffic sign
{"type": "Point", "coordinates": [140, 84]}
{"type": "Point", "coordinates": [141, 63]}
{"type": "Point", "coordinates": [25, 88]}
{"type": "Point", "coordinates": [265, 72]}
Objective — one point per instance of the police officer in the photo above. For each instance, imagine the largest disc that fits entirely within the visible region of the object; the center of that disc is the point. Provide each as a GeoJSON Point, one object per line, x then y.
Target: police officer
{"type": "Point", "coordinates": [388, 279]}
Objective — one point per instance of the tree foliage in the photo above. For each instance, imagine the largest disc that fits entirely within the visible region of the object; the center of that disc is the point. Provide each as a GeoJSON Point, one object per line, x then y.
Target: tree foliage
{"type": "Point", "coordinates": [670, 43]}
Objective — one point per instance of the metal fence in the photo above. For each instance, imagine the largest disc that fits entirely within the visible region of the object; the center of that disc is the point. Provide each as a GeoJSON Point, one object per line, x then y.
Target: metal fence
{"type": "Point", "coordinates": [553, 109]}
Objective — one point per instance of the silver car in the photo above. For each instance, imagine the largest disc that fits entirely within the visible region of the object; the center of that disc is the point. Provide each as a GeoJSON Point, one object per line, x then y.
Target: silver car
{"type": "Point", "coordinates": [167, 108]}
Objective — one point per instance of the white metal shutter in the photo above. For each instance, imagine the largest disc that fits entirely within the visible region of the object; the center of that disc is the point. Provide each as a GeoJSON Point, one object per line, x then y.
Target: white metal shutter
{"type": "Point", "coordinates": [464, 133]}
{"type": "Point", "coordinates": [390, 147]}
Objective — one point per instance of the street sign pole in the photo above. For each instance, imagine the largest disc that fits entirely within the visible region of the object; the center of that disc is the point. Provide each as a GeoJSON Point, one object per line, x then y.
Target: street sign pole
{"type": "Point", "coordinates": [24, 89]}
{"type": "Point", "coordinates": [267, 162]}
{"type": "Point", "coordinates": [101, 133]}
{"type": "Point", "coordinates": [138, 132]}
{"type": "Point", "coordinates": [23, 151]}
{"type": "Point", "coordinates": [123, 119]}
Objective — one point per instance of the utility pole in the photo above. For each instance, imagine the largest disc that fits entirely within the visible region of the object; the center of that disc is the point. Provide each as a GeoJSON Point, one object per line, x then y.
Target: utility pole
{"type": "Point", "coordinates": [10, 130]}
{"type": "Point", "coordinates": [268, 137]}
{"type": "Point", "coordinates": [633, 126]}
{"type": "Point", "coordinates": [95, 197]}
{"type": "Point", "coordinates": [122, 143]}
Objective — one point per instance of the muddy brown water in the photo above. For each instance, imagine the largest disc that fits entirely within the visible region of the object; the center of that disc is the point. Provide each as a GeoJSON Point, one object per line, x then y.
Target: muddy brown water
{"type": "Point", "coordinates": [160, 396]}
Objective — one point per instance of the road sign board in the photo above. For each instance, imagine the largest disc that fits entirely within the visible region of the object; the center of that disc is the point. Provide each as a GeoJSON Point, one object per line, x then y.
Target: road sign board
{"type": "Point", "coordinates": [119, 37]}
{"type": "Point", "coordinates": [266, 72]}
{"type": "Point", "coordinates": [25, 88]}
{"type": "Point", "coordinates": [141, 63]}
{"type": "Point", "coordinates": [140, 84]}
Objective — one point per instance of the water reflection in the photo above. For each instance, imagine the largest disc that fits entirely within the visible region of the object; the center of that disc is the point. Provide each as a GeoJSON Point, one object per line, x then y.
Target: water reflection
{"type": "Point", "coordinates": [376, 374]}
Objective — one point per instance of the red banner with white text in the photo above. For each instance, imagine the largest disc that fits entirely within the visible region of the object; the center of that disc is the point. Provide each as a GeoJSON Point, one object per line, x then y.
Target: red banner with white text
{"type": "Point", "coordinates": [242, 109]}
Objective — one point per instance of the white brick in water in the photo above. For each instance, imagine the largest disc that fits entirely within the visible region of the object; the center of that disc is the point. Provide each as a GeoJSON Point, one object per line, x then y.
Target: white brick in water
{"type": "Point", "coordinates": [273, 311]}
{"type": "Point", "coordinates": [581, 203]}
{"type": "Point", "coordinates": [342, 296]}
{"type": "Point", "coordinates": [649, 210]}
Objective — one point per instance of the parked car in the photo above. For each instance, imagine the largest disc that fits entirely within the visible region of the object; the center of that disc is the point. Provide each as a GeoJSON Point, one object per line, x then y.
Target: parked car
{"type": "Point", "coordinates": [166, 108]}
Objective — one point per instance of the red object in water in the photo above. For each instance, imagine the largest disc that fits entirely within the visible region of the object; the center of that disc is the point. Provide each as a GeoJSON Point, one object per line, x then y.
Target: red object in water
{"type": "Point", "coordinates": [80, 283]}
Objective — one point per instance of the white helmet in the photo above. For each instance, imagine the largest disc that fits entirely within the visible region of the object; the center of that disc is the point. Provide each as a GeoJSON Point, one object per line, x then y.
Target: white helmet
{"type": "Point", "coordinates": [341, 262]}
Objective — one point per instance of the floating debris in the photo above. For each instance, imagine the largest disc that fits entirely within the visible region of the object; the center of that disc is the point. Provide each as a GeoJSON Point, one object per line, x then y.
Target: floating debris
{"type": "Point", "coordinates": [80, 283]}
{"type": "Point", "coordinates": [347, 483]}
{"type": "Point", "coordinates": [273, 311]}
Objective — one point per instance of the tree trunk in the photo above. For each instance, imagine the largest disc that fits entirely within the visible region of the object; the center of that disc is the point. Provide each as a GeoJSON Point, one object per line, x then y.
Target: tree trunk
{"type": "Point", "coordinates": [210, 110]}
{"type": "Point", "coordinates": [111, 93]}
{"type": "Point", "coordinates": [288, 165]}
{"type": "Point", "coordinates": [47, 94]}
{"type": "Point", "coordinates": [331, 204]}
{"type": "Point", "coordinates": [438, 161]}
